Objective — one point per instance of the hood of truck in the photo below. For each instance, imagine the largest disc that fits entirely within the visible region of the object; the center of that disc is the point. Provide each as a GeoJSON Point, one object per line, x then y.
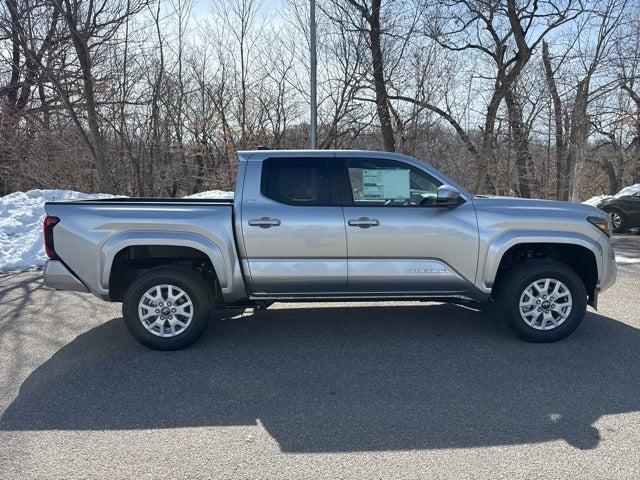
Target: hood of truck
{"type": "Point", "coordinates": [519, 206]}
{"type": "Point", "coordinates": [498, 214]}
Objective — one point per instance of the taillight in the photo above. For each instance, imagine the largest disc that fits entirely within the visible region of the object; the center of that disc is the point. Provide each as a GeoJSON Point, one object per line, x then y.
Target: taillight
{"type": "Point", "coordinates": [49, 223]}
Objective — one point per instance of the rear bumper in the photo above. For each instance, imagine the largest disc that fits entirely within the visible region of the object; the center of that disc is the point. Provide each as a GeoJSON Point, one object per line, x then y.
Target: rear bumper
{"type": "Point", "coordinates": [59, 277]}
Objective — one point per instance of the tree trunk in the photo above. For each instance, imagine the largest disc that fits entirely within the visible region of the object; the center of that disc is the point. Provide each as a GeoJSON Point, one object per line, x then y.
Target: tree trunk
{"type": "Point", "coordinates": [486, 152]}
{"type": "Point", "coordinates": [578, 134]}
{"type": "Point", "coordinates": [379, 81]}
{"type": "Point", "coordinates": [562, 190]}
{"type": "Point", "coordinates": [520, 135]}
{"type": "Point", "coordinates": [105, 183]}
{"type": "Point", "coordinates": [610, 170]}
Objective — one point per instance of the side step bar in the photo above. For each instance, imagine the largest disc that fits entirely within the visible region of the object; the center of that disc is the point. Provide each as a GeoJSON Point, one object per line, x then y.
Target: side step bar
{"type": "Point", "coordinates": [254, 304]}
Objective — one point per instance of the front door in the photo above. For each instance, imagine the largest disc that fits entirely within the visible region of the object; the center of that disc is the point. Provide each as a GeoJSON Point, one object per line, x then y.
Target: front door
{"type": "Point", "coordinates": [293, 228]}
{"type": "Point", "coordinates": [398, 240]}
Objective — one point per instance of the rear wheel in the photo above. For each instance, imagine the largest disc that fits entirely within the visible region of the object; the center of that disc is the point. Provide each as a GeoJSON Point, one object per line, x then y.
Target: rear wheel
{"type": "Point", "coordinates": [167, 308]}
{"type": "Point", "coordinates": [541, 300]}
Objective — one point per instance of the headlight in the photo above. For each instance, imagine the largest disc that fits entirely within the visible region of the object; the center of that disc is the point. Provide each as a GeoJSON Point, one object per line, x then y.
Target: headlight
{"type": "Point", "coordinates": [603, 224]}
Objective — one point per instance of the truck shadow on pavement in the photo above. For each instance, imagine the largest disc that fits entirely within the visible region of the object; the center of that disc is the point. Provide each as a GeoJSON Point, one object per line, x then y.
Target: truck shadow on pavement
{"type": "Point", "coordinates": [345, 379]}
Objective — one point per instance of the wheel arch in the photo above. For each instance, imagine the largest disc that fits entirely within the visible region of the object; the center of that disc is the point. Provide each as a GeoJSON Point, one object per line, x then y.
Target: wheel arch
{"type": "Point", "coordinates": [577, 251]}
{"type": "Point", "coordinates": [615, 206]}
{"type": "Point", "coordinates": [129, 246]}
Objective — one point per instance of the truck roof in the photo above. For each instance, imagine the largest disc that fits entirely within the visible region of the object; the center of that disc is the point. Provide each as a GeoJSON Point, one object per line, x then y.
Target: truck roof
{"type": "Point", "coordinates": [307, 151]}
{"type": "Point", "coordinates": [263, 153]}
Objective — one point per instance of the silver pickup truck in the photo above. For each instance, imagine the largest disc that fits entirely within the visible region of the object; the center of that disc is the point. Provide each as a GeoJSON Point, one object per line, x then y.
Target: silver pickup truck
{"type": "Point", "coordinates": [331, 225]}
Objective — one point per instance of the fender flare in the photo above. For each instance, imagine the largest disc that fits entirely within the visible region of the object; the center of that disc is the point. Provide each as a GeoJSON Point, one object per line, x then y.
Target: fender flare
{"type": "Point", "coordinates": [117, 243]}
{"type": "Point", "coordinates": [499, 246]}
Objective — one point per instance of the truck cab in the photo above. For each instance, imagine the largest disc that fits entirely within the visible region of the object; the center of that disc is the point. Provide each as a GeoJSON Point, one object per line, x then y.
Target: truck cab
{"type": "Point", "coordinates": [359, 224]}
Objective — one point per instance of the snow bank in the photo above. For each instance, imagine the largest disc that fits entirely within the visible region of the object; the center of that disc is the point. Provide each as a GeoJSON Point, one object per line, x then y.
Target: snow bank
{"type": "Point", "coordinates": [21, 216]}
{"type": "Point", "coordinates": [211, 194]}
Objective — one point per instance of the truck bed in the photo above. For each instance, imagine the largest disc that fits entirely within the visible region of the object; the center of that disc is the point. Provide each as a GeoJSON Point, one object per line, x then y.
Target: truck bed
{"type": "Point", "coordinates": [90, 233]}
{"type": "Point", "coordinates": [146, 200]}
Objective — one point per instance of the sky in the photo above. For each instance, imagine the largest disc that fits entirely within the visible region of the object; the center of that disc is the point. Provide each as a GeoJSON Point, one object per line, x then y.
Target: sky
{"type": "Point", "coordinates": [203, 6]}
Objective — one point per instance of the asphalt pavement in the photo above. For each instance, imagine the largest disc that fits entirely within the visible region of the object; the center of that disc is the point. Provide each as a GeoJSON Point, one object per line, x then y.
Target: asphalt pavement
{"type": "Point", "coordinates": [387, 390]}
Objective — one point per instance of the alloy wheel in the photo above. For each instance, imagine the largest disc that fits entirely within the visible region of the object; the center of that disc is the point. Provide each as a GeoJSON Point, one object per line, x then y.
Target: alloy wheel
{"type": "Point", "coordinates": [545, 304]}
{"type": "Point", "coordinates": [616, 220]}
{"type": "Point", "coordinates": [165, 310]}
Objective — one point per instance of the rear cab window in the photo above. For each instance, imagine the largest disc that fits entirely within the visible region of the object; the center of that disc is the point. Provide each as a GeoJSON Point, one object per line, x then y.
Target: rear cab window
{"type": "Point", "coordinates": [297, 181]}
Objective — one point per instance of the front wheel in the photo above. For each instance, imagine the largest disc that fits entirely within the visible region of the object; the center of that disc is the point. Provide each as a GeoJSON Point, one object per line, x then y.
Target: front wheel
{"type": "Point", "coordinates": [541, 300]}
{"type": "Point", "coordinates": [167, 308]}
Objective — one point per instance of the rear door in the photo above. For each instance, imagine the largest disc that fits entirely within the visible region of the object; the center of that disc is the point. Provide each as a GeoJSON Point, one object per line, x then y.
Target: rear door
{"type": "Point", "coordinates": [293, 227]}
{"type": "Point", "coordinates": [399, 241]}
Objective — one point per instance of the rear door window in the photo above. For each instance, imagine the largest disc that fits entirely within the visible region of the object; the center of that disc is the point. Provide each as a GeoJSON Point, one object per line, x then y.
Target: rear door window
{"type": "Point", "coordinates": [297, 181]}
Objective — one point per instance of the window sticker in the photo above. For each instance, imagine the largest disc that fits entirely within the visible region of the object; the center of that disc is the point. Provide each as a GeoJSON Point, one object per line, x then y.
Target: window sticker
{"type": "Point", "coordinates": [380, 184]}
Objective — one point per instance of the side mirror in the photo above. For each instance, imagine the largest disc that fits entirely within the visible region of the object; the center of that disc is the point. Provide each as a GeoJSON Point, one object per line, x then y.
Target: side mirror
{"type": "Point", "coordinates": [448, 196]}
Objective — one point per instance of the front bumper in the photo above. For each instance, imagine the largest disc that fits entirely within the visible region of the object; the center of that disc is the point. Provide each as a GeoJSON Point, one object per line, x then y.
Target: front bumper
{"type": "Point", "coordinates": [56, 275]}
{"type": "Point", "coordinates": [609, 267]}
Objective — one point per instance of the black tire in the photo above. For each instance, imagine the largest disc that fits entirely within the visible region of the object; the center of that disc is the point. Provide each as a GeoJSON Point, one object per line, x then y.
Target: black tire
{"type": "Point", "coordinates": [622, 226]}
{"type": "Point", "coordinates": [513, 285]}
{"type": "Point", "coordinates": [195, 287]}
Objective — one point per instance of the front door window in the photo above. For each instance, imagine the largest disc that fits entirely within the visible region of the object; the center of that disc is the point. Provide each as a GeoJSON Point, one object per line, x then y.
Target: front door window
{"type": "Point", "coordinates": [390, 183]}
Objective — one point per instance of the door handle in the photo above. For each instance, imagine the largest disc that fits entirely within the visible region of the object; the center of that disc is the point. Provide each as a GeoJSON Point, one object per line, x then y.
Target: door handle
{"type": "Point", "coordinates": [264, 222]}
{"type": "Point", "coordinates": [364, 222]}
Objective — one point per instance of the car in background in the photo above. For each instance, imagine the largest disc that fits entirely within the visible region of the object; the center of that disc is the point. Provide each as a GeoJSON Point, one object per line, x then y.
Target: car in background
{"type": "Point", "coordinates": [623, 210]}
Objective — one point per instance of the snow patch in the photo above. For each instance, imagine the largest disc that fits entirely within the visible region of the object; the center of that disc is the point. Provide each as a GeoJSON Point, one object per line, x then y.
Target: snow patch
{"type": "Point", "coordinates": [595, 201]}
{"type": "Point", "coordinates": [620, 260]}
{"type": "Point", "coordinates": [211, 194]}
{"type": "Point", "coordinates": [630, 190]}
{"type": "Point", "coordinates": [21, 216]}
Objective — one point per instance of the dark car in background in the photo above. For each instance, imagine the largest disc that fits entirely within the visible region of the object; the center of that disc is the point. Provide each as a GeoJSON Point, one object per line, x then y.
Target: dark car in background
{"type": "Point", "coordinates": [624, 211]}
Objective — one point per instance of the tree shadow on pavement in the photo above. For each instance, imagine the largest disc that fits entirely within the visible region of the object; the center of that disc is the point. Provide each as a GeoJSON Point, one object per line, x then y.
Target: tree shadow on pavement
{"type": "Point", "coordinates": [345, 379]}
{"type": "Point", "coordinates": [17, 294]}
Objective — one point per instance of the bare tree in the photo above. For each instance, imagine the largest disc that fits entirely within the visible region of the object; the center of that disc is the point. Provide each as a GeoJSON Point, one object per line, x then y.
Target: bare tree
{"type": "Point", "coordinates": [572, 133]}
{"type": "Point", "coordinates": [146, 99]}
{"type": "Point", "coordinates": [492, 29]}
